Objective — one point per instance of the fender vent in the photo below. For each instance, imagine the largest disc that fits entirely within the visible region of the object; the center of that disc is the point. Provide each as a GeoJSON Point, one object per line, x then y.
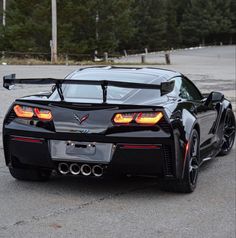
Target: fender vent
{"type": "Point", "coordinates": [168, 165]}
{"type": "Point", "coordinates": [10, 117]}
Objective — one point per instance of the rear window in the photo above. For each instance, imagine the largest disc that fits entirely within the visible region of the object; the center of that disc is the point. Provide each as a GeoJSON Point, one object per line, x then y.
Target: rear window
{"type": "Point", "coordinates": [113, 93]}
{"type": "Point", "coordinates": [95, 92]}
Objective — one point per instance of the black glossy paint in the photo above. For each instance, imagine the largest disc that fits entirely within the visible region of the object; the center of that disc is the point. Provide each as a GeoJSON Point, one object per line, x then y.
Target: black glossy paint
{"type": "Point", "coordinates": [172, 133]}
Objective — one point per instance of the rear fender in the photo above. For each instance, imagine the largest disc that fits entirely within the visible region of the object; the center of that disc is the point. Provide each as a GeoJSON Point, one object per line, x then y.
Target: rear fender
{"type": "Point", "coordinates": [182, 129]}
{"type": "Point", "coordinates": [4, 137]}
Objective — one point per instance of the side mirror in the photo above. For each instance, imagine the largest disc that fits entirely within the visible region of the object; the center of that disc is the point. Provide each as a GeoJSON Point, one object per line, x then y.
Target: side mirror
{"type": "Point", "coordinates": [214, 97]}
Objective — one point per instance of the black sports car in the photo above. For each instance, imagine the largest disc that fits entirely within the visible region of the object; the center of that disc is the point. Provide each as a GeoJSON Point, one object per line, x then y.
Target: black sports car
{"type": "Point", "coordinates": [118, 121]}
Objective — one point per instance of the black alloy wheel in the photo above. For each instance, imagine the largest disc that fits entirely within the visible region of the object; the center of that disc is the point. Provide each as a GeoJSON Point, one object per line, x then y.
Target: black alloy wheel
{"type": "Point", "coordinates": [228, 133]}
{"type": "Point", "coordinates": [193, 160]}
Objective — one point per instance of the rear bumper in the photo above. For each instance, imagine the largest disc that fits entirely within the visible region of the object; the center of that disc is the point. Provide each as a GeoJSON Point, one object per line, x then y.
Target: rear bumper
{"type": "Point", "coordinates": [166, 159]}
{"type": "Point", "coordinates": [132, 158]}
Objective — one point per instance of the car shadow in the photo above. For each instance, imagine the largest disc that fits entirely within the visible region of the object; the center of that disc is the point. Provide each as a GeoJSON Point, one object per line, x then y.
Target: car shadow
{"type": "Point", "coordinates": [72, 186]}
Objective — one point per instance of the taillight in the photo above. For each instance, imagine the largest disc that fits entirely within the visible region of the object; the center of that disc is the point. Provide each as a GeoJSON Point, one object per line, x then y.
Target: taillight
{"type": "Point", "coordinates": [23, 111]}
{"type": "Point", "coordinates": [123, 118]}
{"type": "Point", "coordinates": [142, 118]}
{"type": "Point", "coordinates": [43, 114]}
{"type": "Point", "coordinates": [148, 118]}
{"type": "Point", "coordinates": [29, 112]}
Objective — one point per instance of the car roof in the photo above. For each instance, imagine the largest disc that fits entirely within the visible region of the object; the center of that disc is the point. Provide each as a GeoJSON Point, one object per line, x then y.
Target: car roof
{"type": "Point", "coordinates": [126, 74]}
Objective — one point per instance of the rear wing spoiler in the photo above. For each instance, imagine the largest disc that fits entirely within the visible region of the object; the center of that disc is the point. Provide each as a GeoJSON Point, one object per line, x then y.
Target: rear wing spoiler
{"type": "Point", "coordinates": [9, 82]}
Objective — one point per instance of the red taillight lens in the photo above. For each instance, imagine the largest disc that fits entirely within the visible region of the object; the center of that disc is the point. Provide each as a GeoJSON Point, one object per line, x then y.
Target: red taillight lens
{"type": "Point", "coordinates": [148, 118]}
{"type": "Point", "coordinates": [29, 112]}
{"type": "Point", "coordinates": [123, 118]}
{"type": "Point", "coordinates": [27, 139]}
{"type": "Point", "coordinates": [43, 114]}
{"type": "Point", "coordinates": [140, 147]}
{"type": "Point", "coordinates": [23, 111]}
{"type": "Point", "coordinates": [143, 118]}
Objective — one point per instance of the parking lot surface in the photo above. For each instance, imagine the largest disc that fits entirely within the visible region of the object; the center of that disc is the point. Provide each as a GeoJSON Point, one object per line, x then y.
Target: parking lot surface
{"type": "Point", "coordinates": [132, 207]}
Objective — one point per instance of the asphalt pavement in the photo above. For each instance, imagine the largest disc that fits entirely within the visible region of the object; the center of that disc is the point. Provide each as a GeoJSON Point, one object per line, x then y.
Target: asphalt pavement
{"type": "Point", "coordinates": [132, 207]}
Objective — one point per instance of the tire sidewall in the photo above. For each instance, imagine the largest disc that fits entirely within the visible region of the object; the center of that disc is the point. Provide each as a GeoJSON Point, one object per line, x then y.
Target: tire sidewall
{"type": "Point", "coordinates": [188, 158]}
{"type": "Point", "coordinates": [231, 113]}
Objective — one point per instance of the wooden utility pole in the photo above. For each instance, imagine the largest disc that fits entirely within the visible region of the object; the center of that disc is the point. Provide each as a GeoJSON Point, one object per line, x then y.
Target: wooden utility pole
{"type": "Point", "coordinates": [4, 13]}
{"type": "Point", "coordinates": [97, 20]}
{"type": "Point", "coordinates": [54, 33]}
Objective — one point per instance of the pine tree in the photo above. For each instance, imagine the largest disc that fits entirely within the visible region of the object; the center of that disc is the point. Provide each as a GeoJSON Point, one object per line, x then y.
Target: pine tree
{"type": "Point", "coordinates": [85, 26]}
{"type": "Point", "coordinates": [114, 25]}
{"type": "Point", "coordinates": [76, 26]}
{"type": "Point", "coordinates": [150, 25]}
{"type": "Point", "coordinates": [232, 16]}
{"type": "Point", "coordinates": [172, 26]}
{"type": "Point", "coordinates": [206, 20]}
{"type": "Point", "coordinates": [28, 26]}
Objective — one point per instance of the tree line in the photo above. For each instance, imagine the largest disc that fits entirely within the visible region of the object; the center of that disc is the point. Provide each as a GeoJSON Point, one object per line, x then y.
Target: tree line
{"type": "Point", "coordinates": [114, 25]}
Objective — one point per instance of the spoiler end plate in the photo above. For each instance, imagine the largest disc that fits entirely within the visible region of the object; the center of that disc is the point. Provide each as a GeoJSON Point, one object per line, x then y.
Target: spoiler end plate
{"type": "Point", "coordinates": [8, 81]}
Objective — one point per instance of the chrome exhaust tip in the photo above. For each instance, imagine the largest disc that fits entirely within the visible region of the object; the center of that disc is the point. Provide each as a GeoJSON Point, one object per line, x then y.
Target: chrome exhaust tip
{"type": "Point", "coordinates": [63, 168]}
{"type": "Point", "coordinates": [97, 170]}
{"type": "Point", "coordinates": [86, 169]}
{"type": "Point", "coordinates": [74, 169]}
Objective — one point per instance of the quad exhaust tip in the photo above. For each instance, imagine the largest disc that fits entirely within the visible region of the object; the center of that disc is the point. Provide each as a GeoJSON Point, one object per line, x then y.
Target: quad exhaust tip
{"type": "Point", "coordinates": [75, 169]}
{"type": "Point", "coordinates": [97, 170]}
{"type": "Point", "coordinates": [63, 168]}
{"type": "Point", "coordinates": [86, 169]}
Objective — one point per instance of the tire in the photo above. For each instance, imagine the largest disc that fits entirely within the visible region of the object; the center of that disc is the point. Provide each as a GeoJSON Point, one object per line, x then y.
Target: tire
{"type": "Point", "coordinates": [228, 133]}
{"type": "Point", "coordinates": [189, 181]}
{"type": "Point", "coordinates": [30, 174]}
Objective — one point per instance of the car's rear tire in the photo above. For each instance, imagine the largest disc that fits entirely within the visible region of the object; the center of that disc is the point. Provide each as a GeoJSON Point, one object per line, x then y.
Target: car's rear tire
{"type": "Point", "coordinates": [189, 181]}
{"type": "Point", "coordinates": [30, 174]}
{"type": "Point", "coordinates": [228, 133]}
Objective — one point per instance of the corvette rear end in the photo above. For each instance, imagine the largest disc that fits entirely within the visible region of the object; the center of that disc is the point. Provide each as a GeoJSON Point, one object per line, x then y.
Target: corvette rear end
{"type": "Point", "coordinates": [89, 139]}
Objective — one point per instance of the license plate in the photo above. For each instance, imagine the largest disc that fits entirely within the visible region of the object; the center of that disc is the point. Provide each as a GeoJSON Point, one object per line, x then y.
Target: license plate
{"type": "Point", "coordinates": [81, 151]}
{"type": "Point", "coordinates": [79, 148]}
